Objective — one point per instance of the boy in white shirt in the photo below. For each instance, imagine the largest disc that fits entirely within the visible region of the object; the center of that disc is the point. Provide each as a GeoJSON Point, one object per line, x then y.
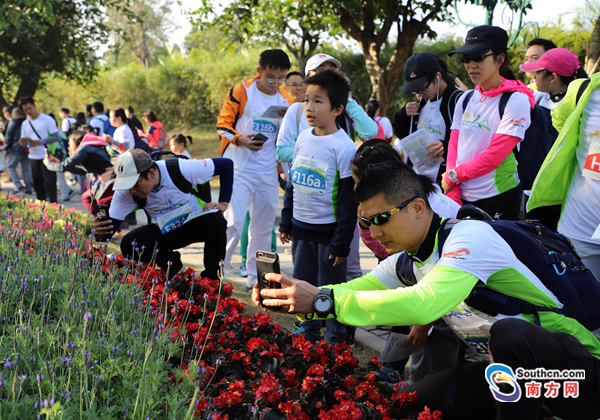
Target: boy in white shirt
{"type": "Point", "coordinates": [67, 120]}
{"type": "Point", "coordinates": [319, 208]}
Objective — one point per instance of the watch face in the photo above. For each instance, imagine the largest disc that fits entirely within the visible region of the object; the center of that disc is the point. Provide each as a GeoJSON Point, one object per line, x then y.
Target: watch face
{"type": "Point", "coordinates": [322, 304]}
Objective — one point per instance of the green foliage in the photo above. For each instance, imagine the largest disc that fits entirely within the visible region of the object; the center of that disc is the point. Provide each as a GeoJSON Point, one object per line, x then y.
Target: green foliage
{"type": "Point", "coordinates": [38, 36]}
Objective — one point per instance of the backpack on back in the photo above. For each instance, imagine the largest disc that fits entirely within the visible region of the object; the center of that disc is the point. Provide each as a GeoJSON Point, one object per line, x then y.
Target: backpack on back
{"type": "Point", "coordinates": [380, 133]}
{"type": "Point", "coordinates": [163, 138]}
{"type": "Point", "coordinates": [107, 129]}
{"type": "Point", "coordinates": [539, 139]}
{"type": "Point", "coordinates": [550, 256]}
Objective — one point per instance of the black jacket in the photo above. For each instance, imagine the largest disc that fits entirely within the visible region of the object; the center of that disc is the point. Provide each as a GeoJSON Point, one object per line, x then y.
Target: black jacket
{"type": "Point", "coordinates": [13, 135]}
{"type": "Point", "coordinates": [401, 121]}
{"type": "Point", "coordinates": [136, 124]}
{"type": "Point", "coordinates": [87, 159]}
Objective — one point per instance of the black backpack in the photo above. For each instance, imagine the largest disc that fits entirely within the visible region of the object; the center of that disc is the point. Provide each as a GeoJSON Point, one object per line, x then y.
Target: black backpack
{"type": "Point", "coordinates": [200, 191]}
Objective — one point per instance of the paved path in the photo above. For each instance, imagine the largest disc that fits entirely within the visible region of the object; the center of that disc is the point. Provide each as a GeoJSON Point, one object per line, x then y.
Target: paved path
{"type": "Point", "coordinates": [192, 255]}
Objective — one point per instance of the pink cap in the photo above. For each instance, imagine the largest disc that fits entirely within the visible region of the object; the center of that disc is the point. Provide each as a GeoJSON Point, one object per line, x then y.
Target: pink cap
{"type": "Point", "coordinates": [557, 60]}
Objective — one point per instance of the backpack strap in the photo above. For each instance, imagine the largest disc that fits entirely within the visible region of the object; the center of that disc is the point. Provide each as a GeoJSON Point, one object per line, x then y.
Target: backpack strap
{"type": "Point", "coordinates": [452, 104]}
{"type": "Point", "coordinates": [183, 184]}
{"type": "Point", "coordinates": [404, 270]}
{"type": "Point", "coordinates": [467, 99]}
{"type": "Point", "coordinates": [582, 88]}
{"type": "Point", "coordinates": [299, 113]}
{"type": "Point", "coordinates": [503, 101]}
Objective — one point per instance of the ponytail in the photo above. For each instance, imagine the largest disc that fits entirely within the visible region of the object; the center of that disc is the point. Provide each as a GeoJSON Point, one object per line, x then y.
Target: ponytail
{"type": "Point", "coordinates": [372, 107]}
{"type": "Point", "coordinates": [181, 139]}
{"type": "Point", "coordinates": [504, 70]}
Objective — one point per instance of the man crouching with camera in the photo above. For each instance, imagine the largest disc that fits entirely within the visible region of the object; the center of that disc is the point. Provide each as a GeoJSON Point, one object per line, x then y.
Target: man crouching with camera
{"type": "Point", "coordinates": [179, 218]}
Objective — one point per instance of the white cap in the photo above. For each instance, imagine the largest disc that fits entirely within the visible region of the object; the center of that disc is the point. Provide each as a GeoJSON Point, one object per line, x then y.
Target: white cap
{"type": "Point", "coordinates": [129, 166]}
{"type": "Point", "coordinates": [316, 60]}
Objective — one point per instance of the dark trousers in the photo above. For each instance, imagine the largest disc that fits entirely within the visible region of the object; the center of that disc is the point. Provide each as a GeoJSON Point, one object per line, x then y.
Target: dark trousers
{"type": "Point", "coordinates": [517, 343]}
{"type": "Point", "coordinates": [44, 181]}
{"type": "Point", "coordinates": [506, 205]}
{"type": "Point", "coordinates": [312, 264]}
{"type": "Point", "coordinates": [210, 229]}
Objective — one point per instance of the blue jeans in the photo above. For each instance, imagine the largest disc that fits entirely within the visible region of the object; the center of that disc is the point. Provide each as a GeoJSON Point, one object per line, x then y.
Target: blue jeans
{"type": "Point", "coordinates": [312, 264]}
{"type": "Point", "coordinates": [11, 162]}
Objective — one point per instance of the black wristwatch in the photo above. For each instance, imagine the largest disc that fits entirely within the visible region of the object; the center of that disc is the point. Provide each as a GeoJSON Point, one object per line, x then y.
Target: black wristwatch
{"type": "Point", "coordinates": [323, 304]}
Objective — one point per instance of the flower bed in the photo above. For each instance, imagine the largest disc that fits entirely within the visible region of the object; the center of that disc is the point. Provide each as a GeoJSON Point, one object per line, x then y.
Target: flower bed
{"type": "Point", "coordinates": [87, 335]}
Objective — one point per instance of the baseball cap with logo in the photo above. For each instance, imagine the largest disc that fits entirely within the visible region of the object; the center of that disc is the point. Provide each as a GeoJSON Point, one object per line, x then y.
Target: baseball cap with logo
{"type": "Point", "coordinates": [481, 39]}
{"type": "Point", "coordinates": [316, 60]}
{"type": "Point", "coordinates": [129, 166]}
{"type": "Point", "coordinates": [417, 69]}
{"type": "Point", "coordinates": [557, 60]}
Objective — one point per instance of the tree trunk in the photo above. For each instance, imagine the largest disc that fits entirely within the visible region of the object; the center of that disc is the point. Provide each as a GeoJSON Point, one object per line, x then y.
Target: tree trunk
{"type": "Point", "coordinates": [593, 55]}
{"type": "Point", "coordinates": [28, 87]}
{"type": "Point", "coordinates": [3, 102]}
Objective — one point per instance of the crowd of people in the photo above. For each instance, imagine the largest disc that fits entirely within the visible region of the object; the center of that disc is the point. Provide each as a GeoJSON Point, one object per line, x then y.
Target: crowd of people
{"type": "Point", "coordinates": [499, 153]}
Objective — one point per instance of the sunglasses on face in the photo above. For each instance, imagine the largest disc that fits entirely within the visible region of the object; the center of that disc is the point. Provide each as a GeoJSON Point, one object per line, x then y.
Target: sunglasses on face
{"type": "Point", "coordinates": [383, 218]}
{"type": "Point", "coordinates": [475, 58]}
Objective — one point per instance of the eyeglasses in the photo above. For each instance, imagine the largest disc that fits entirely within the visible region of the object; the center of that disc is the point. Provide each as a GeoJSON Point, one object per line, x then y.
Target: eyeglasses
{"type": "Point", "coordinates": [423, 91]}
{"type": "Point", "coordinates": [476, 58]}
{"type": "Point", "coordinates": [382, 218]}
{"type": "Point", "coordinates": [278, 81]}
{"type": "Point", "coordinates": [137, 184]}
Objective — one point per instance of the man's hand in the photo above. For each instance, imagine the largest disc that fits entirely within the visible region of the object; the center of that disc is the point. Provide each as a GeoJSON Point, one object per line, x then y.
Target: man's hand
{"type": "Point", "coordinates": [248, 143]}
{"type": "Point", "coordinates": [24, 141]}
{"type": "Point", "coordinates": [412, 109]}
{"type": "Point", "coordinates": [436, 149]}
{"type": "Point", "coordinates": [417, 336]}
{"type": "Point", "coordinates": [447, 188]}
{"type": "Point", "coordinates": [102, 227]}
{"type": "Point", "coordinates": [297, 296]}
{"type": "Point", "coordinates": [285, 237]}
{"type": "Point", "coordinates": [50, 159]}
{"type": "Point", "coordinates": [221, 205]}
{"type": "Point", "coordinates": [338, 260]}
{"type": "Point", "coordinates": [281, 113]}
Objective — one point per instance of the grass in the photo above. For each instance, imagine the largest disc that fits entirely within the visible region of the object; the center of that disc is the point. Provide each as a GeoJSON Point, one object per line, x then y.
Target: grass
{"type": "Point", "coordinates": [206, 141]}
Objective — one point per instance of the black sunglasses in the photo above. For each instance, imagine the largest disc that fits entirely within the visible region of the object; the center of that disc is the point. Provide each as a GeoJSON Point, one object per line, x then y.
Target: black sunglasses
{"type": "Point", "coordinates": [476, 58]}
{"type": "Point", "coordinates": [382, 218]}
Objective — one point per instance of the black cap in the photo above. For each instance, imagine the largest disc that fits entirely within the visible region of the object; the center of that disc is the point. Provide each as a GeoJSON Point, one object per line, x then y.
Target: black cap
{"type": "Point", "coordinates": [479, 40]}
{"type": "Point", "coordinates": [417, 69]}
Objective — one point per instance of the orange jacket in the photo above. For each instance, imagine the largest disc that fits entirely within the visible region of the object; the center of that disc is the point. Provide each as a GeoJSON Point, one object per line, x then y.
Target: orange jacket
{"type": "Point", "coordinates": [232, 110]}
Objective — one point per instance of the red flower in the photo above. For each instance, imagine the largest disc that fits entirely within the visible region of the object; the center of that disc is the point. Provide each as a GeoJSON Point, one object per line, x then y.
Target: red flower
{"type": "Point", "coordinates": [427, 415]}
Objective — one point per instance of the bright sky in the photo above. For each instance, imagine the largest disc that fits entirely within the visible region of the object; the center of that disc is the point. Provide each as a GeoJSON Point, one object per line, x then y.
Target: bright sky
{"type": "Point", "coordinates": [543, 11]}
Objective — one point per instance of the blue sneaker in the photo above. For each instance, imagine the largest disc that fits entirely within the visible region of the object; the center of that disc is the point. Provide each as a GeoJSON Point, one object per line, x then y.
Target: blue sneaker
{"type": "Point", "coordinates": [309, 335]}
{"type": "Point", "coordinates": [243, 270]}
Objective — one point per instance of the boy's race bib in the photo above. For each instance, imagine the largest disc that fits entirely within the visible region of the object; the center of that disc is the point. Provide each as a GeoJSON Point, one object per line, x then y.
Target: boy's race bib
{"type": "Point", "coordinates": [309, 176]}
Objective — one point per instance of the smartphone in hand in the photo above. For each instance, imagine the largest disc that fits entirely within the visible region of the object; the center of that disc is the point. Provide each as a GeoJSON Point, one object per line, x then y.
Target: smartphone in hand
{"type": "Point", "coordinates": [266, 262]}
{"type": "Point", "coordinates": [103, 212]}
{"type": "Point", "coordinates": [260, 137]}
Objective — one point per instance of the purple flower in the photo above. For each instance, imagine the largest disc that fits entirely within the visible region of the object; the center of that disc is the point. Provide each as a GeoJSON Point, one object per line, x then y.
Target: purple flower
{"type": "Point", "coordinates": [88, 316]}
{"type": "Point", "coordinates": [40, 378]}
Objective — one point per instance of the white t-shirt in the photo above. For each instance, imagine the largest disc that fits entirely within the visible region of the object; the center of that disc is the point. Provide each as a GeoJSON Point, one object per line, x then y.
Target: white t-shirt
{"type": "Point", "coordinates": [123, 136]}
{"type": "Point", "coordinates": [581, 212]}
{"type": "Point", "coordinates": [477, 126]}
{"type": "Point", "coordinates": [290, 128]}
{"type": "Point", "coordinates": [167, 197]}
{"type": "Point", "coordinates": [264, 160]}
{"type": "Point", "coordinates": [186, 154]}
{"type": "Point", "coordinates": [385, 123]}
{"type": "Point", "coordinates": [45, 126]}
{"type": "Point", "coordinates": [320, 162]}
{"type": "Point", "coordinates": [67, 123]}
{"type": "Point", "coordinates": [443, 205]}
{"type": "Point", "coordinates": [431, 119]}
{"type": "Point", "coordinates": [98, 122]}
{"type": "Point", "coordinates": [543, 99]}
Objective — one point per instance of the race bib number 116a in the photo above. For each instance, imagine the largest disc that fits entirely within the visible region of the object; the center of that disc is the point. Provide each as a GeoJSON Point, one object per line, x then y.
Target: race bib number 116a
{"type": "Point", "coordinates": [309, 176]}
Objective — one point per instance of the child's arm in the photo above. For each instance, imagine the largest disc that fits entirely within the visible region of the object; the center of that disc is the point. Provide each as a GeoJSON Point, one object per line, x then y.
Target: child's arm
{"type": "Point", "coordinates": [346, 219]}
{"type": "Point", "coordinates": [285, 225]}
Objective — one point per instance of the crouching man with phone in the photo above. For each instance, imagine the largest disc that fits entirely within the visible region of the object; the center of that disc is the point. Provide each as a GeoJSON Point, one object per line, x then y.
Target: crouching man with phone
{"type": "Point", "coordinates": [420, 285]}
{"type": "Point", "coordinates": [179, 218]}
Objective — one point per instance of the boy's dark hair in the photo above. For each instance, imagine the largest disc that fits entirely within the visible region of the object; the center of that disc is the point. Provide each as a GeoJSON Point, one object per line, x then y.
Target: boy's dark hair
{"type": "Point", "coordinates": [395, 180]}
{"type": "Point", "coordinates": [27, 100]}
{"type": "Point", "coordinates": [332, 82]}
{"type": "Point", "coordinates": [80, 118]}
{"type": "Point", "coordinates": [546, 44]}
{"type": "Point", "coordinates": [65, 110]}
{"type": "Point", "coordinates": [18, 112]}
{"type": "Point", "coordinates": [98, 106]}
{"type": "Point", "coordinates": [130, 110]}
{"type": "Point", "coordinates": [150, 115]}
{"type": "Point", "coordinates": [372, 107]}
{"type": "Point", "coordinates": [88, 108]}
{"type": "Point", "coordinates": [274, 60]}
{"type": "Point", "coordinates": [293, 73]}
{"type": "Point", "coordinates": [376, 151]}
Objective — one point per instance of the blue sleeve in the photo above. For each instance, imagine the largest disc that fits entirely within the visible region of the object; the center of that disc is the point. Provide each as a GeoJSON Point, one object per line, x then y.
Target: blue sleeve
{"type": "Point", "coordinates": [224, 168]}
{"type": "Point", "coordinates": [150, 129]}
{"type": "Point", "coordinates": [364, 125]}
{"type": "Point", "coordinates": [285, 225]}
{"type": "Point", "coordinates": [346, 219]}
{"type": "Point", "coordinates": [285, 153]}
